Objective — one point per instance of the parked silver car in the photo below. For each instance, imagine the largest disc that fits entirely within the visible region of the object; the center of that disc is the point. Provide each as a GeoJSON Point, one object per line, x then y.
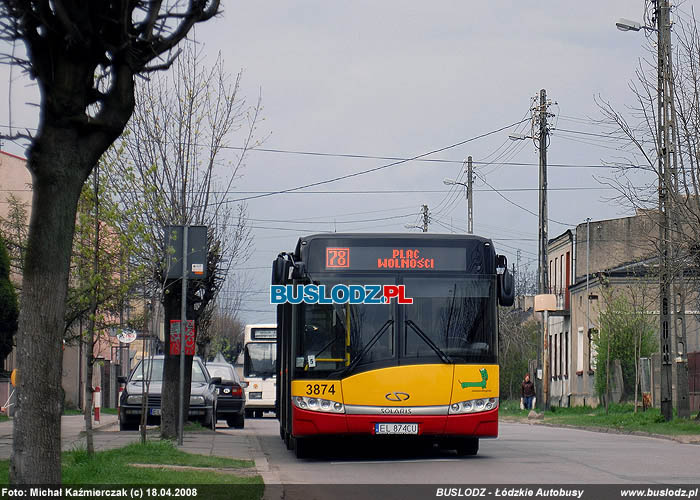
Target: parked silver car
{"type": "Point", "coordinates": [203, 396]}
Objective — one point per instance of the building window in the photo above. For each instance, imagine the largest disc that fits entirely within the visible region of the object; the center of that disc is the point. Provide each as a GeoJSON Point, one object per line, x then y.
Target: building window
{"type": "Point", "coordinates": [566, 354]}
{"type": "Point", "coordinates": [592, 355]}
{"type": "Point", "coordinates": [556, 359]}
{"type": "Point", "coordinates": [579, 352]}
{"type": "Point", "coordinates": [561, 354]}
{"type": "Point", "coordinates": [551, 366]}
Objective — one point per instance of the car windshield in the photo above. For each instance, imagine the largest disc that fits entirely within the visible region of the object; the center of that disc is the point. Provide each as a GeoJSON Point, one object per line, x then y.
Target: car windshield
{"type": "Point", "coordinates": [155, 368]}
{"type": "Point", "coordinates": [225, 372]}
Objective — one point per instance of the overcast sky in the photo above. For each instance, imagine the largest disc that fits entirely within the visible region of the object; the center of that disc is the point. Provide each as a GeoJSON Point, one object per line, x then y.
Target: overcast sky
{"type": "Point", "coordinates": [400, 79]}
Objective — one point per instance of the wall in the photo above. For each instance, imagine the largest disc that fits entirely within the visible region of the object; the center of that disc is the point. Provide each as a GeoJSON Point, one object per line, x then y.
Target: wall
{"type": "Point", "coordinates": [615, 242]}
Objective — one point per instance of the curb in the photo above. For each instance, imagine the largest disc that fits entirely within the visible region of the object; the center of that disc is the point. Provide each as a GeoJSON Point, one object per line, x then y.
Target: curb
{"type": "Point", "coordinates": [683, 438]}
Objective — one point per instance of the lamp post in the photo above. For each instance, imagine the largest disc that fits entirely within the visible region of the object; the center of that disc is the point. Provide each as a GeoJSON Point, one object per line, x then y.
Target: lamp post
{"type": "Point", "coordinates": [666, 135]}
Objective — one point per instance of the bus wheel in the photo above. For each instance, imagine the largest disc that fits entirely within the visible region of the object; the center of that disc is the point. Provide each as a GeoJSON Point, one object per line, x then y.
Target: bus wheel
{"type": "Point", "coordinates": [302, 447]}
{"type": "Point", "coordinates": [467, 446]}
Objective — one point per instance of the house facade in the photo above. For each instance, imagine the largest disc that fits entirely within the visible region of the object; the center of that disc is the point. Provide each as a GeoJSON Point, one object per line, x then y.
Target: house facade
{"type": "Point", "coordinates": [16, 184]}
{"type": "Point", "coordinates": [600, 259]}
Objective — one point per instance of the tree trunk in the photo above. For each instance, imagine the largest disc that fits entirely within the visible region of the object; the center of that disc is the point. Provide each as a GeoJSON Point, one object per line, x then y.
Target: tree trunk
{"type": "Point", "coordinates": [170, 388]}
{"type": "Point", "coordinates": [57, 180]}
{"type": "Point", "coordinates": [171, 373]}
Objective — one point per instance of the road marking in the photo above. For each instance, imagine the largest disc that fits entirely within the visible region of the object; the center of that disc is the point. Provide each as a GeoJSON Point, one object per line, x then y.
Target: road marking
{"type": "Point", "coordinates": [407, 461]}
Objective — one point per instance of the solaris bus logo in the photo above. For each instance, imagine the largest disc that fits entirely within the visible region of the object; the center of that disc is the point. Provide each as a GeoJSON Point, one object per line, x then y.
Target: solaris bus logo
{"type": "Point", "coordinates": [339, 294]}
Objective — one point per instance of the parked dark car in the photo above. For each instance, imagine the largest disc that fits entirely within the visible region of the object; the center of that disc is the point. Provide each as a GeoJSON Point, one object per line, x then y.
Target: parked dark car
{"type": "Point", "coordinates": [202, 394]}
{"type": "Point", "coordinates": [231, 396]}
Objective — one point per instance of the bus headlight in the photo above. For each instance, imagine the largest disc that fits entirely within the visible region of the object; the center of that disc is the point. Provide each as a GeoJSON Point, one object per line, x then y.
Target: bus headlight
{"type": "Point", "coordinates": [317, 404]}
{"type": "Point", "coordinates": [473, 406]}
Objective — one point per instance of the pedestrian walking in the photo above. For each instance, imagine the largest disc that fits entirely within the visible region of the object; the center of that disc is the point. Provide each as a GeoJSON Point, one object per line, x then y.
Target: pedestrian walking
{"type": "Point", "coordinates": [527, 394]}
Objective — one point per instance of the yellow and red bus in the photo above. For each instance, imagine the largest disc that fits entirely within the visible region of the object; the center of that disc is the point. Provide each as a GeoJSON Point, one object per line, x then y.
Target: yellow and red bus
{"type": "Point", "coordinates": [428, 368]}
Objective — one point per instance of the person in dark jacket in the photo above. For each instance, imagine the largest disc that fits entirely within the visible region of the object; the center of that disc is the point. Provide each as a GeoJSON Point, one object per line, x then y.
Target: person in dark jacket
{"type": "Point", "coordinates": [528, 393]}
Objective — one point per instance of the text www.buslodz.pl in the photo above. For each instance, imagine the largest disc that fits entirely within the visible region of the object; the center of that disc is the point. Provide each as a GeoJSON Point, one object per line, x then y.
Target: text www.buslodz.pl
{"type": "Point", "coordinates": [339, 294]}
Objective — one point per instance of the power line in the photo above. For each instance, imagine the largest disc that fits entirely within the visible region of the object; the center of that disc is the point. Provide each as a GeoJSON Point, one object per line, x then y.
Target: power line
{"type": "Point", "coordinates": [520, 206]}
{"type": "Point", "coordinates": [375, 169]}
{"type": "Point", "coordinates": [388, 191]}
{"type": "Point", "coordinates": [415, 158]}
{"type": "Point", "coordinates": [333, 222]}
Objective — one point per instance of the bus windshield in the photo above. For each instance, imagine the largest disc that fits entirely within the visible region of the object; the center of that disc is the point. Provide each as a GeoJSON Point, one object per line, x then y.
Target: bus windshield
{"type": "Point", "coordinates": [456, 316]}
{"type": "Point", "coordinates": [259, 359]}
{"type": "Point", "coordinates": [330, 342]}
{"type": "Point", "coordinates": [451, 320]}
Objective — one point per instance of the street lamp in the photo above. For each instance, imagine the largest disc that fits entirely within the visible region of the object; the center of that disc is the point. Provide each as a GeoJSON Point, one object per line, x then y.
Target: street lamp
{"type": "Point", "coordinates": [627, 25]}
{"type": "Point", "coordinates": [518, 137]}
{"type": "Point", "coordinates": [452, 182]}
{"type": "Point", "coordinates": [470, 193]}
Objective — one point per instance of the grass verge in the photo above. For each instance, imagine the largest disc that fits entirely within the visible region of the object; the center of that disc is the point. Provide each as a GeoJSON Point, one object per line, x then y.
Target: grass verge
{"type": "Point", "coordinates": [114, 467]}
{"type": "Point", "coordinates": [620, 417]}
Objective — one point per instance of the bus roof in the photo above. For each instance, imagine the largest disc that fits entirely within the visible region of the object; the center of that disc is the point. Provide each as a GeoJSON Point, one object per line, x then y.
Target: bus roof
{"type": "Point", "coordinates": [393, 237]}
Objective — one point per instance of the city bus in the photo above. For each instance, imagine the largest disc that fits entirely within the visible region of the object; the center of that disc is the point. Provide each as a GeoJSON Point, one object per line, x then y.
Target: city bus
{"type": "Point", "coordinates": [259, 362]}
{"type": "Point", "coordinates": [422, 362]}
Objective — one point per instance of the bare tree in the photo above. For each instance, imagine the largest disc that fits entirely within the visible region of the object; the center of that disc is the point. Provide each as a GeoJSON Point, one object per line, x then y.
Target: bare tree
{"type": "Point", "coordinates": [84, 57]}
{"type": "Point", "coordinates": [176, 173]}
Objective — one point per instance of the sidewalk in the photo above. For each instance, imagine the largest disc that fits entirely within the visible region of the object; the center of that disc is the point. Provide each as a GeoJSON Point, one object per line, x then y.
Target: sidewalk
{"type": "Point", "coordinates": [108, 436]}
{"type": "Point", "coordinates": [680, 438]}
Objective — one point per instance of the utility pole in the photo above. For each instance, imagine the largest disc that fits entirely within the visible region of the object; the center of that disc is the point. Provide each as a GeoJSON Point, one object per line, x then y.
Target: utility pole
{"type": "Point", "coordinates": [678, 278]}
{"type": "Point", "coordinates": [470, 213]}
{"type": "Point", "coordinates": [542, 278]}
{"type": "Point", "coordinates": [518, 278]}
{"type": "Point", "coordinates": [671, 349]}
{"type": "Point", "coordinates": [426, 218]}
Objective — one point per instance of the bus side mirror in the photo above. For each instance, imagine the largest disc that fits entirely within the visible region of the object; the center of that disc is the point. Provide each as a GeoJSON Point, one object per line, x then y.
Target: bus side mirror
{"type": "Point", "coordinates": [280, 270]}
{"type": "Point", "coordinates": [506, 290]}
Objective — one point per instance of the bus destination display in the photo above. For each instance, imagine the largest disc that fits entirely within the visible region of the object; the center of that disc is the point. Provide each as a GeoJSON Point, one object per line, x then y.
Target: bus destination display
{"type": "Point", "coordinates": [390, 258]}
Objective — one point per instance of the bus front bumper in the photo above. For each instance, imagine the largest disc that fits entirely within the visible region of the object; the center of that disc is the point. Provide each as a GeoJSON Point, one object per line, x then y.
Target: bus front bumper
{"type": "Point", "coordinates": [314, 423]}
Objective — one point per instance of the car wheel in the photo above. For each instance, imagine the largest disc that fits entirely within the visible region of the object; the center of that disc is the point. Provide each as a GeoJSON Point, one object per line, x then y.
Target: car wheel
{"type": "Point", "coordinates": [128, 426]}
{"type": "Point", "coordinates": [238, 421]}
{"type": "Point", "coordinates": [467, 447]}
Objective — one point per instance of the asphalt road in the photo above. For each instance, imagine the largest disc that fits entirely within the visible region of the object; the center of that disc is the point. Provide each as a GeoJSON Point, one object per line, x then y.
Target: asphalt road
{"type": "Point", "coordinates": [522, 454]}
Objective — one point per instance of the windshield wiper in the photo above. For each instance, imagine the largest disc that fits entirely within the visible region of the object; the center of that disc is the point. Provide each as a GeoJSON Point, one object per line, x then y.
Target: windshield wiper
{"type": "Point", "coordinates": [444, 357]}
{"type": "Point", "coordinates": [348, 369]}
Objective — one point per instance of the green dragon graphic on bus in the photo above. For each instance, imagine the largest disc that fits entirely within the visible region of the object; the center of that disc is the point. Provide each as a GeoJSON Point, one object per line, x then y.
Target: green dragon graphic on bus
{"type": "Point", "coordinates": [482, 383]}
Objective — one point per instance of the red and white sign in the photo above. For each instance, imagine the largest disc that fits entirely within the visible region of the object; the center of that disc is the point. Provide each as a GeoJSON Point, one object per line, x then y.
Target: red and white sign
{"type": "Point", "coordinates": [175, 337]}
